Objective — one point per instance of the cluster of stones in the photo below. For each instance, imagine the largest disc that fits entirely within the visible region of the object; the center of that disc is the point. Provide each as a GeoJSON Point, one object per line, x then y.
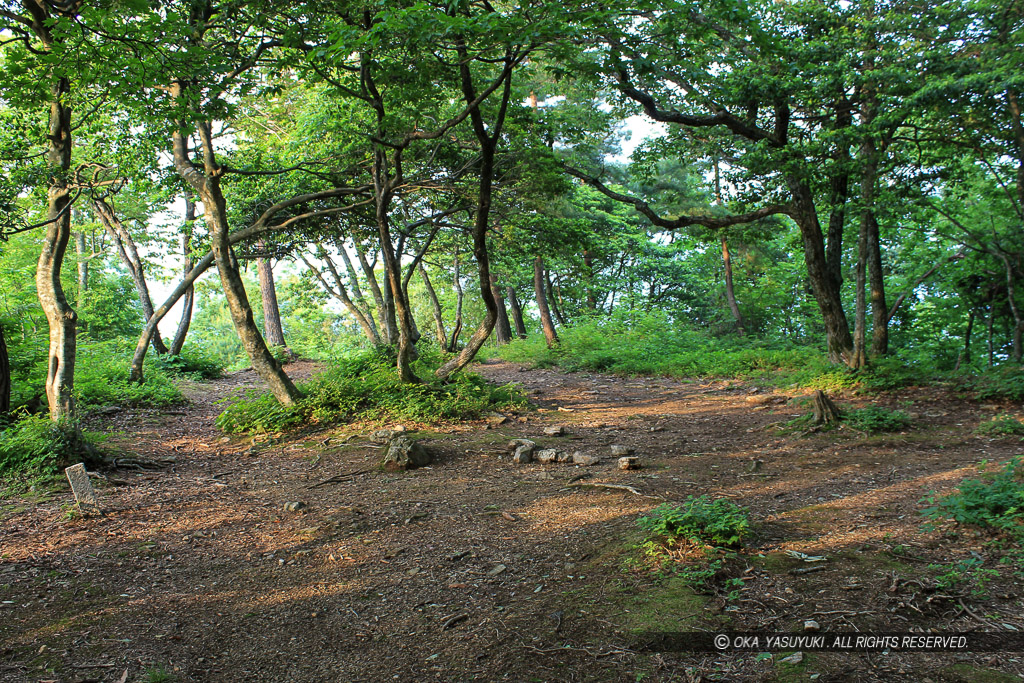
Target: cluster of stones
{"type": "Point", "coordinates": [524, 451]}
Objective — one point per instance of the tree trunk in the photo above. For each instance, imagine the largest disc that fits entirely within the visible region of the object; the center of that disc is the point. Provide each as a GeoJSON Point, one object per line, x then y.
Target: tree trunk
{"type": "Point", "coordinates": [207, 184]}
{"type": "Point", "coordinates": [129, 254]}
{"type": "Point", "coordinates": [517, 313]}
{"type": "Point", "coordinates": [837, 329]}
{"type": "Point", "coordinates": [83, 266]}
{"type": "Point", "coordinates": [502, 330]}
{"type": "Point", "coordinates": [186, 305]}
{"type": "Point", "coordinates": [1011, 296]}
{"type": "Point", "coordinates": [553, 300]}
{"type": "Point", "coordinates": [357, 292]}
{"type": "Point", "coordinates": [271, 311]}
{"type": "Point", "coordinates": [588, 267]}
{"type": "Point", "coordinates": [341, 294]}
{"type": "Point", "coordinates": [435, 305]}
{"type": "Point", "coordinates": [453, 342]}
{"type": "Point", "coordinates": [387, 322]}
{"type": "Point", "coordinates": [989, 326]}
{"type": "Point", "coordinates": [730, 292]}
{"type": "Point", "coordinates": [965, 355]}
{"type": "Point", "coordinates": [860, 358]}
{"type": "Point", "coordinates": [61, 317]}
{"type": "Point", "coordinates": [550, 336]}
{"type": "Point", "coordinates": [5, 377]}
{"type": "Point", "coordinates": [876, 282]}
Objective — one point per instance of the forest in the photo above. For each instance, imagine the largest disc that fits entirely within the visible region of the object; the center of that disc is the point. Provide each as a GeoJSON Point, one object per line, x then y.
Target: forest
{"type": "Point", "coordinates": [435, 319]}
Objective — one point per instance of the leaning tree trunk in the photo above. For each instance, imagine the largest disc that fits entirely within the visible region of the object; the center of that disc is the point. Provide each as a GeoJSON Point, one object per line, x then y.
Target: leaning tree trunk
{"type": "Point", "coordinates": [826, 292]}
{"type": "Point", "coordinates": [5, 377]}
{"type": "Point", "coordinates": [453, 341]}
{"type": "Point", "coordinates": [129, 254]}
{"type": "Point", "coordinates": [730, 292]}
{"type": "Point", "coordinates": [340, 292]}
{"type": "Point", "coordinates": [186, 305]}
{"type": "Point", "coordinates": [553, 300]}
{"type": "Point", "coordinates": [550, 336]}
{"type": "Point", "coordinates": [207, 184]}
{"type": "Point", "coordinates": [517, 312]}
{"type": "Point", "coordinates": [357, 292]}
{"type": "Point", "coordinates": [271, 311]}
{"type": "Point", "coordinates": [502, 330]}
{"type": "Point", "coordinates": [435, 306]}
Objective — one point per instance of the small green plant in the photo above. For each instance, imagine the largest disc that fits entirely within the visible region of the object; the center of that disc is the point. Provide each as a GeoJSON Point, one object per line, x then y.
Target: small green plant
{"type": "Point", "coordinates": [966, 573]}
{"type": "Point", "coordinates": [159, 674]}
{"type": "Point", "coordinates": [994, 500]}
{"type": "Point", "coordinates": [705, 522]}
{"type": "Point", "coordinates": [1000, 425]}
{"type": "Point", "coordinates": [875, 419]}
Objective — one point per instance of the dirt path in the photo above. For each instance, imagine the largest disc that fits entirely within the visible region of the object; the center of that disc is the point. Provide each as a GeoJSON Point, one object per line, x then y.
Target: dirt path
{"type": "Point", "coordinates": [479, 569]}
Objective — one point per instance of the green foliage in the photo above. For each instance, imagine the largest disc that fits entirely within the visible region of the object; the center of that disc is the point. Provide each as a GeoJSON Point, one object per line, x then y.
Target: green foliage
{"type": "Point", "coordinates": [967, 573]}
{"type": "Point", "coordinates": [366, 385]}
{"type": "Point", "coordinates": [706, 522]}
{"type": "Point", "coordinates": [101, 378]}
{"type": "Point", "coordinates": [995, 500]}
{"type": "Point", "coordinates": [34, 444]}
{"type": "Point", "coordinates": [875, 419]}
{"type": "Point", "coordinates": [1000, 425]}
{"type": "Point", "coordinates": [194, 361]}
{"type": "Point", "coordinates": [995, 384]}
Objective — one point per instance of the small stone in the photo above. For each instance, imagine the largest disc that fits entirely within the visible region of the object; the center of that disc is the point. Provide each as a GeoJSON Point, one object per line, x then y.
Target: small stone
{"type": "Point", "coordinates": [294, 506]}
{"type": "Point", "coordinates": [515, 444]}
{"type": "Point", "coordinates": [523, 455]}
{"type": "Point", "coordinates": [557, 430]}
{"type": "Point", "coordinates": [793, 659]}
{"type": "Point", "coordinates": [497, 570]}
{"type": "Point", "coordinates": [495, 419]}
{"type": "Point", "coordinates": [629, 463]}
{"type": "Point", "coordinates": [619, 450]}
{"type": "Point", "coordinates": [581, 459]}
{"type": "Point", "coordinates": [547, 456]}
{"type": "Point", "coordinates": [657, 429]}
{"type": "Point", "coordinates": [383, 435]}
{"type": "Point", "coordinates": [811, 625]}
{"type": "Point", "coordinates": [565, 456]}
{"type": "Point", "coordinates": [224, 439]}
{"type": "Point", "coordinates": [403, 454]}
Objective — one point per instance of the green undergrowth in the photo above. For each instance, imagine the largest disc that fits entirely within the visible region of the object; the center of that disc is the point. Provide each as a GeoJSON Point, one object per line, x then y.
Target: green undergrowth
{"type": "Point", "coordinates": [1001, 425]}
{"type": "Point", "coordinates": [34, 446]}
{"type": "Point", "coordinates": [101, 378]}
{"type": "Point", "coordinates": [994, 500]}
{"type": "Point", "coordinates": [870, 419]}
{"type": "Point", "coordinates": [365, 385]}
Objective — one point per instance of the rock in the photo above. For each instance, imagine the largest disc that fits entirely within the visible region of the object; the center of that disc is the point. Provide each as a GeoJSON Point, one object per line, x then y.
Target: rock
{"type": "Point", "coordinates": [80, 486]}
{"type": "Point", "coordinates": [224, 439]}
{"type": "Point", "coordinates": [565, 456]}
{"type": "Point", "coordinates": [547, 456]}
{"type": "Point", "coordinates": [793, 659]}
{"type": "Point", "coordinates": [557, 430]}
{"type": "Point", "coordinates": [294, 506]}
{"type": "Point", "coordinates": [523, 455]}
{"type": "Point", "coordinates": [495, 419]}
{"type": "Point", "coordinates": [403, 453]}
{"type": "Point", "coordinates": [620, 450]}
{"type": "Point", "coordinates": [755, 465]}
{"type": "Point", "coordinates": [629, 463]}
{"type": "Point", "coordinates": [497, 570]}
{"type": "Point", "coordinates": [514, 444]}
{"type": "Point", "coordinates": [581, 459]}
{"type": "Point", "coordinates": [811, 625]}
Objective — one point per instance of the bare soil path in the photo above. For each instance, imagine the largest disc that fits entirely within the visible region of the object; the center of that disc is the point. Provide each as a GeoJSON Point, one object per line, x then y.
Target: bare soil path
{"type": "Point", "coordinates": [480, 569]}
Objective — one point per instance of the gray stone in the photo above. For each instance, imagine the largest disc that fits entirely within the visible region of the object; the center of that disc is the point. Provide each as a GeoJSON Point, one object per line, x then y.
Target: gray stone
{"type": "Point", "coordinates": [620, 450]}
{"type": "Point", "coordinates": [811, 625]}
{"type": "Point", "coordinates": [629, 463]}
{"type": "Point", "coordinates": [495, 419]}
{"type": "Point", "coordinates": [403, 454]}
{"type": "Point", "coordinates": [514, 444]}
{"type": "Point", "coordinates": [565, 456]}
{"type": "Point", "coordinates": [557, 430]}
{"type": "Point", "coordinates": [547, 455]}
{"type": "Point", "coordinates": [82, 488]}
{"type": "Point", "coordinates": [497, 570]}
{"type": "Point", "coordinates": [523, 455]}
{"type": "Point", "coordinates": [581, 459]}
{"type": "Point", "coordinates": [294, 506]}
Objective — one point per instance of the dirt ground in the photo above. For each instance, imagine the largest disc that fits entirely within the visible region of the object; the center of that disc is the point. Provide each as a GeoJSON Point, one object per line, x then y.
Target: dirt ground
{"type": "Point", "coordinates": [479, 569]}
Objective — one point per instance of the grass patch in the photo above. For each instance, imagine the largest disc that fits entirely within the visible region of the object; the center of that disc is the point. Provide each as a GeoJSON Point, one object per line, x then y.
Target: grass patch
{"type": "Point", "coordinates": [366, 385]}
{"type": "Point", "coordinates": [995, 500]}
{"type": "Point", "coordinates": [1000, 425]}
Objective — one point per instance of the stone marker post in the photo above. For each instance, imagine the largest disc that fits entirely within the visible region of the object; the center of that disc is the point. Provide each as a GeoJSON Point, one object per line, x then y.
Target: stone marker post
{"type": "Point", "coordinates": [80, 486]}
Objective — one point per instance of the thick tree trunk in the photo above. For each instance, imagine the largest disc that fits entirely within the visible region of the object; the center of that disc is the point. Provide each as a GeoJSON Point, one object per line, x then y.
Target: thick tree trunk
{"type": "Point", "coordinates": [550, 336]}
{"type": "Point", "coordinates": [5, 377]}
{"type": "Point", "coordinates": [129, 254]}
{"type": "Point", "coordinates": [730, 292]}
{"type": "Point", "coordinates": [860, 355]}
{"type": "Point", "coordinates": [61, 317]}
{"type": "Point", "coordinates": [517, 313]}
{"type": "Point", "coordinates": [186, 305]}
{"type": "Point", "coordinates": [553, 300]}
{"type": "Point", "coordinates": [207, 185]}
{"type": "Point", "coordinates": [271, 311]}
{"type": "Point", "coordinates": [839, 192]}
{"type": "Point", "coordinates": [837, 330]}
{"type": "Point", "coordinates": [502, 330]}
{"type": "Point", "coordinates": [435, 305]}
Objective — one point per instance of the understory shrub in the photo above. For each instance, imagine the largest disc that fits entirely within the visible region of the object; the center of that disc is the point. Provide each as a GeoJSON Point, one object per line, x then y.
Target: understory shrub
{"type": "Point", "coordinates": [195, 363]}
{"type": "Point", "coordinates": [1001, 425]}
{"type": "Point", "coordinates": [994, 500]}
{"type": "Point", "coordinates": [366, 385]}
{"type": "Point", "coordinates": [875, 419]}
{"type": "Point", "coordinates": [101, 378]}
{"type": "Point", "coordinates": [716, 523]}
{"type": "Point", "coordinates": [34, 444]}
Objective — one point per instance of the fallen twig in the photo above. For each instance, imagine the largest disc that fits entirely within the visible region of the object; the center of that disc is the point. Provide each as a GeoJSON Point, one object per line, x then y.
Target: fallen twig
{"type": "Point", "coordinates": [338, 478]}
